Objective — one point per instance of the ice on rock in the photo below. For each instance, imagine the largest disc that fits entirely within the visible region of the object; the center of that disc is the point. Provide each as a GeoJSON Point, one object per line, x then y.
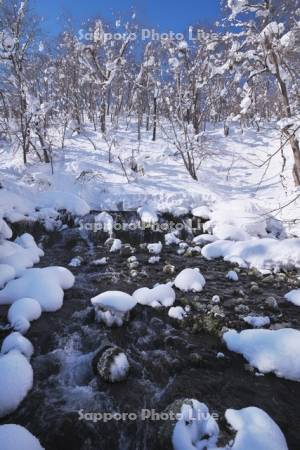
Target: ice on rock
{"type": "Point", "coordinates": [106, 221]}
{"type": "Point", "coordinates": [177, 312]}
{"type": "Point", "coordinates": [22, 312]}
{"type": "Point", "coordinates": [196, 428]}
{"type": "Point", "coordinates": [232, 276]}
{"type": "Point", "coordinates": [7, 273]}
{"type": "Point", "coordinates": [275, 351]}
{"type": "Point", "coordinates": [257, 321]}
{"type": "Point", "coordinates": [293, 297]}
{"type": "Point", "coordinates": [116, 246]}
{"type": "Point", "coordinates": [190, 280]}
{"type": "Point", "coordinates": [147, 215]}
{"type": "Point", "coordinates": [155, 248]}
{"type": "Point", "coordinates": [160, 295]}
{"type": "Point", "coordinates": [256, 430]}
{"type": "Point", "coordinates": [15, 437]}
{"type": "Point", "coordinates": [16, 379]}
{"type": "Point", "coordinates": [15, 341]}
{"type": "Point", "coordinates": [44, 285]}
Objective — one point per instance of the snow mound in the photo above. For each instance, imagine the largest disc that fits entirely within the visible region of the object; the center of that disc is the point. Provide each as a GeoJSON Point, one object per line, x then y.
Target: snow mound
{"type": "Point", "coordinates": [177, 312]}
{"type": "Point", "coordinates": [21, 254]}
{"type": "Point", "coordinates": [63, 201]}
{"type": "Point", "coordinates": [44, 285]}
{"type": "Point", "coordinates": [7, 273]}
{"type": "Point", "coordinates": [22, 312]}
{"type": "Point", "coordinates": [232, 275]}
{"type": "Point", "coordinates": [147, 214]}
{"type": "Point", "coordinates": [293, 297]}
{"type": "Point", "coordinates": [115, 300]}
{"type": "Point", "coordinates": [16, 379]}
{"type": "Point", "coordinates": [14, 207]}
{"type": "Point", "coordinates": [15, 437]}
{"type": "Point", "coordinates": [275, 351]}
{"type": "Point", "coordinates": [255, 430]}
{"type": "Point", "coordinates": [203, 212]}
{"type": "Point", "coordinates": [259, 253]}
{"type": "Point", "coordinates": [190, 280]}
{"type": "Point", "coordinates": [155, 248]}
{"type": "Point", "coordinates": [5, 231]}
{"type": "Point", "coordinates": [257, 321]}
{"type": "Point", "coordinates": [172, 238]}
{"type": "Point", "coordinates": [119, 367]}
{"type": "Point", "coordinates": [196, 428]}
{"type": "Point", "coordinates": [202, 239]}
{"type": "Point", "coordinates": [237, 220]}
{"type": "Point", "coordinates": [15, 341]}
{"type": "Point", "coordinates": [106, 221]}
{"type": "Point", "coordinates": [116, 246]}
{"type": "Point", "coordinates": [160, 295]}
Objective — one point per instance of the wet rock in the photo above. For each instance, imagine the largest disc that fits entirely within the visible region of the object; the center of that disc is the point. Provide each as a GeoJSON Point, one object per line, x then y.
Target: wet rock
{"type": "Point", "coordinates": [268, 279]}
{"type": "Point", "coordinates": [271, 303]}
{"type": "Point", "coordinates": [255, 288]}
{"type": "Point", "coordinates": [112, 364]}
{"type": "Point", "coordinates": [209, 324]}
{"type": "Point", "coordinates": [169, 269]}
{"type": "Point", "coordinates": [242, 309]}
{"type": "Point", "coordinates": [127, 250]}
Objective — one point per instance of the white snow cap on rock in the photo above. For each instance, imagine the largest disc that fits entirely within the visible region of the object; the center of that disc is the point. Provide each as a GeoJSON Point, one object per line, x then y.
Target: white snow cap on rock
{"type": "Point", "coordinates": [232, 276]}
{"type": "Point", "coordinates": [155, 248]}
{"type": "Point", "coordinates": [115, 300]}
{"type": "Point", "coordinates": [16, 379]}
{"type": "Point", "coordinates": [172, 238]}
{"type": "Point", "coordinates": [293, 297]}
{"type": "Point", "coordinates": [44, 285]}
{"type": "Point", "coordinates": [15, 341]}
{"type": "Point", "coordinates": [7, 273]}
{"type": "Point", "coordinates": [190, 280]}
{"type": "Point", "coordinates": [257, 321]}
{"type": "Point", "coordinates": [5, 231]}
{"type": "Point", "coordinates": [160, 295]}
{"type": "Point", "coordinates": [21, 254]}
{"type": "Point", "coordinates": [15, 437]}
{"type": "Point", "coordinates": [22, 312]}
{"type": "Point", "coordinates": [259, 253]}
{"type": "Point", "coordinates": [255, 430]}
{"type": "Point", "coordinates": [116, 246]}
{"type": "Point", "coordinates": [177, 312]}
{"type": "Point", "coordinates": [202, 211]}
{"type": "Point", "coordinates": [119, 367]}
{"type": "Point", "coordinates": [195, 429]}
{"type": "Point", "coordinates": [275, 351]}
{"type": "Point", "coordinates": [106, 221]}
{"type": "Point", "coordinates": [147, 214]}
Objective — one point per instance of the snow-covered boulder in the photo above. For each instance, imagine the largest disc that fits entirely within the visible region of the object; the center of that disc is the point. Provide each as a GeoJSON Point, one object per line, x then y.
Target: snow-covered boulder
{"type": "Point", "coordinates": [116, 246]}
{"type": "Point", "coordinates": [16, 379]}
{"type": "Point", "coordinates": [275, 351]}
{"type": "Point", "coordinates": [157, 297]}
{"type": "Point", "coordinates": [232, 275]}
{"type": "Point", "coordinates": [44, 285]}
{"type": "Point", "coordinates": [203, 239]}
{"type": "Point", "coordinates": [112, 307]}
{"type": "Point", "coordinates": [155, 248]}
{"type": "Point", "coordinates": [203, 212]}
{"type": "Point", "coordinates": [172, 238]}
{"type": "Point", "coordinates": [15, 341]}
{"type": "Point", "coordinates": [105, 221]}
{"type": "Point", "coordinates": [293, 297]}
{"type": "Point", "coordinates": [177, 312]}
{"type": "Point", "coordinates": [22, 312]}
{"type": "Point", "coordinates": [21, 254]}
{"type": "Point", "coordinates": [112, 364]}
{"type": "Point", "coordinates": [190, 280]}
{"type": "Point", "coordinates": [256, 430]}
{"type": "Point", "coordinates": [7, 273]}
{"type": "Point", "coordinates": [15, 437]}
{"type": "Point", "coordinates": [257, 321]}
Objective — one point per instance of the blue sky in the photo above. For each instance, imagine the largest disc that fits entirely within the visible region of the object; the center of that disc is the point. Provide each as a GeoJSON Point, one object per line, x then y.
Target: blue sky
{"type": "Point", "coordinates": [165, 14]}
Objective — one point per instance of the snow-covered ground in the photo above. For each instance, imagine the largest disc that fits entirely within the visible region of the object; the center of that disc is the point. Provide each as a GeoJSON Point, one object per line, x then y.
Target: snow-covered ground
{"type": "Point", "coordinates": [230, 171]}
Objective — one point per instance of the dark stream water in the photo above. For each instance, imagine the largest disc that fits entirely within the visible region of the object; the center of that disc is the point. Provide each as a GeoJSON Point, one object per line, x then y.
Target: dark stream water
{"type": "Point", "coordinates": [169, 360]}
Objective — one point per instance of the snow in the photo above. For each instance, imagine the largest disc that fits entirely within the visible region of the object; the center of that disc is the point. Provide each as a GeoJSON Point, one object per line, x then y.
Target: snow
{"type": "Point", "coordinates": [116, 246]}
{"type": "Point", "coordinates": [154, 259]}
{"type": "Point", "coordinates": [255, 430]}
{"type": "Point", "coordinates": [202, 239]}
{"type": "Point", "coordinates": [75, 262]}
{"type": "Point", "coordinates": [190, 280]}
{"type": "Point", "coordinates": [196, 428]}
{"type": "Point", "coordinates": [232, 276]}
{"type": "Point", "coordinates": [257, 321]}
{"type": "Point", "coordinates": [119, 367]}
{"type": "Point", "coordinates": [262, 254]}
{"type": "Point", "coordinates": [15, 341]}
{"type": "Point", "coordinates": [16, 379]}
{"type": "Point", "coordinates": [155, 248]}
{"type": "Point", "coordinates": [275, 351]}
{"type": "Point", "coordinates": [44, 285]}
{"type": "Point", "coordinates": [293, 297]}
{"type": "Point", "coordinates": [115, 301]}
{"type": "Point", "coordinates": [16, 437]}
{"type": "Point", "coordinates": [63, 201]}
{"type": "Point", "coordinates": [5, 231]}
{"type": "Point", "coordinates": [158, 296]}
{"type": "Point", "coordinates": [147, 214]}
{"type": "Point", "coordinates": [177, 312]}
{"type": "Point", "coordinates": [7, 273]}
{"type": "Point", "coordinates": [202, 211]}
{"type": "Point", "coordinates": [172, 238]}
{"type": "Point", "coordinates": [106, 221]}
{"type": "Point", "coordinates": [22, 312]}
{"type": "Point", "coordinates": [99, 262]}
